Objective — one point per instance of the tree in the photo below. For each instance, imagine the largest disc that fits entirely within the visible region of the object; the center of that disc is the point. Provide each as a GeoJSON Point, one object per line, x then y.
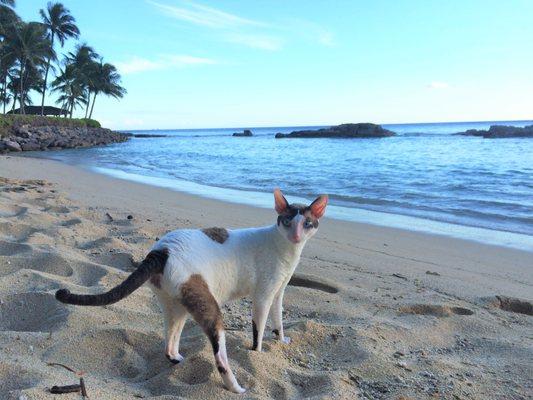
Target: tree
{"type": "Point", "coordinates": [30, 47]}
{"type": "Point", "coordinates": [72, 92]}
{"type": "Point", "coordinates": [106, 80]}
{"type": "Point", "coordinates": [61, 25]}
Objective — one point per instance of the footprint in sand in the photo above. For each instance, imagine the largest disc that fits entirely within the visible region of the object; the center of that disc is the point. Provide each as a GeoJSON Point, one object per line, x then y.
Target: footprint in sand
{"type": "Point", "coordinates": [312, 282]}
{"type": "Point", "coordinates": [12, 248]}
{"type": "Point", "coordinates": [112, 353]}
{"type": "Point", "coordinates": [32, 312]}
{"type": "Point", "coordinates": [57, 209]}
{"type": "Point", "coordinates": [15, 377]}
{"type": "Point", "coordinates": [513, 304]}
{"type": "Point", "coordinates": [9, 211]}
{"type": "Point", "coordinates": [17, 232]}
{"type": "Point", "coordinates": [435, 310]}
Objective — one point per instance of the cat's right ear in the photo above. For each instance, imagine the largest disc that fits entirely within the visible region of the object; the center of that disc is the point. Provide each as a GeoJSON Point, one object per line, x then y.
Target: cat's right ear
{"type": "Point", "coordinates": [281, 202]}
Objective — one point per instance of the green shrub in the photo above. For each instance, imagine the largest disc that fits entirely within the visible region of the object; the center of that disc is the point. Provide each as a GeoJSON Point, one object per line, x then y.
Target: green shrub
{"type": "Point", "coordinates": [10, 122]}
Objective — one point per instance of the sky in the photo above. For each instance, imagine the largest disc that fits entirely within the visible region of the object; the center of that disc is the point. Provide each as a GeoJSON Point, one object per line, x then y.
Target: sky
{"type": "Point", "coordinates": [202, 64]}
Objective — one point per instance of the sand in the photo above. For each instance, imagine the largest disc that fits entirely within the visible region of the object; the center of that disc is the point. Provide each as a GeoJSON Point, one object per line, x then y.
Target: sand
{"type": "Point", "coordinates": [378, 313]}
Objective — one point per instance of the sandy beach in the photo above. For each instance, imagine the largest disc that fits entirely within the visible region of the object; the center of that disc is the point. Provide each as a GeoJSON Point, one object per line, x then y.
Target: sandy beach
{"type": "Point", "coordinates": [379, 313]}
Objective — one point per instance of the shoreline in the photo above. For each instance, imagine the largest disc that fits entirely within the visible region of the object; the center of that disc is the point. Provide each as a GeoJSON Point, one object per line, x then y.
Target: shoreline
{"type": "Point", "coordinates": [509, 239]}
{"type": "Point", "coordinates": [414, 313]}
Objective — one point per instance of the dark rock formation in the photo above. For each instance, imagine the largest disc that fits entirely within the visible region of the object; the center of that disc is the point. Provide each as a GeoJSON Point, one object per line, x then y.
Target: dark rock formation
{"type": "Point", "coordinates": [245, 133]}
{"type": "Point", "coordinates": [31, 138]}
{"type": "Point", "coordinates": [500, 131]}
{"type": "Point", "coordinates": [364, 130]}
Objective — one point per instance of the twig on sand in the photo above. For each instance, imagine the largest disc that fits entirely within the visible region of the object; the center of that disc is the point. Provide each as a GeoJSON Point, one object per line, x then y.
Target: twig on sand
{"type": "Point", "coordinates": [109, 217]}
{"type": "Point", "coordinates": [83, 389]}
{"type": "Point", "coordinates": [400, 276]}
{"type": "Point", "coordinates": [66, 367]}
{"type": "Point", "coordinates": [65, 389]}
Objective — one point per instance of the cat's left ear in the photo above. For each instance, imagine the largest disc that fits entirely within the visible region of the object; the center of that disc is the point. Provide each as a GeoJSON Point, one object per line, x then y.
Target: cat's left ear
{"type": "Point", "coordinates": [318, 207]}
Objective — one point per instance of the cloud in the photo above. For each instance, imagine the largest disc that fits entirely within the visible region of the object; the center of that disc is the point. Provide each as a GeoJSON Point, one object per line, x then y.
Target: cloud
{"type": "Point", "coordinates": [263, 42]}
{"type": "Point", "coordinates": [203, 15]}
{"type": "Point", "coordinates": [438, 85]}
{"type": "Point", "coordinates": [165, 61]}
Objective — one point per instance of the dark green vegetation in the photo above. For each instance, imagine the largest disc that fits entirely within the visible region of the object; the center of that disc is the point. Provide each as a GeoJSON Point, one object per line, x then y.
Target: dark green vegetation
{"type": "Point", "coordinates": [28, 57]}
{"type": "Point", "coordinates": [10, 123]}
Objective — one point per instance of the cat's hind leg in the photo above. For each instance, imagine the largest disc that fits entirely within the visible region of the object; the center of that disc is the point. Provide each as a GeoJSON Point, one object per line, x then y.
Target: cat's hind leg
{"type": "Point", "coordinates": [204, 308]}
{"type": "Point", "coordinates": [175, 316]}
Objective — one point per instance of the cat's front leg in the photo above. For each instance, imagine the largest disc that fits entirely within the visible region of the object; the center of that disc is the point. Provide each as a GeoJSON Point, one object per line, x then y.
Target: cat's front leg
{"type": "Point", "coordinates": [260, 308]}
{"type": "Point", "coordinates": [276, 316]}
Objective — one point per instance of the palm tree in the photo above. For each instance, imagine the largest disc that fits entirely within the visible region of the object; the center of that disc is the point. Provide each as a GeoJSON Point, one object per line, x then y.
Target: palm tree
{"type": "Point", "coordinates": [83, 61]}
{"type": "Point", "coordinates": [107, 81]}
{"type": "Point", "coordinates": [8, 20]}
{"type": "Point", "coordinates": [60, 24]}
{"type": "Point", "coordinates": [31, 48]}
{"type": "Point", "coordinates": [71, 89]}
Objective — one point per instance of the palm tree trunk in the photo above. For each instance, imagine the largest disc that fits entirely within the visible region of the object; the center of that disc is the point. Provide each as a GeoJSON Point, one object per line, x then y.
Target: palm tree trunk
{"type": "Point", "coordinates": [71, 108]}
{"type": "Point", "coordinates": [4, 92]}
{"type": "Point", "coordinates": [46, 74]}
{"type": "Point", "coordinates": [21, 94]}
{"type": "Point", "coordinates": [92, 107]}
{"type": "Point", "coordinates": [88, 103]}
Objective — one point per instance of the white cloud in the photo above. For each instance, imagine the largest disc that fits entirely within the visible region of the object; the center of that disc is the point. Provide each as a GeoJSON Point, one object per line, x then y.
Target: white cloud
{"type": "Point", "coordinates": [203, 15]}
{"type": "Point", "coordinates": [165, 61]}
{"type": "Point", "coordinates": [438, 85]}
{"type": "Point", "coordinates": [263, 42]}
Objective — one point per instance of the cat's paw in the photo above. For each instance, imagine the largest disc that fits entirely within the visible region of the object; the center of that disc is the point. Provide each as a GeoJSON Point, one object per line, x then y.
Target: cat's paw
{"type": "Point", "coordinates": [175, 359]}
{"type": "Point", "coordinates": [237, 389]}
{"type": "Point", "coordinates": [286, 340]}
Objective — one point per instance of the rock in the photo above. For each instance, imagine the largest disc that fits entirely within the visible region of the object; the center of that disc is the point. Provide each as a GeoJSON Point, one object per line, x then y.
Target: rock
{"type": "Point", "coordinates": [31, 146]}
{"type": "Point", "coordinates": [362, 130]}
{"type": "Point", "coordinates": [500, 131]}
{"type": "Point", "coordinates": [245, 133]}
{"type": "Point", "coordinates": [12, 146]}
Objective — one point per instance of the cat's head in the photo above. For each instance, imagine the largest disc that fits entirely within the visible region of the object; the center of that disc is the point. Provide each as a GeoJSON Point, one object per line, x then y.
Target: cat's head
{"type": "Point", "coordinates": [298, 222]}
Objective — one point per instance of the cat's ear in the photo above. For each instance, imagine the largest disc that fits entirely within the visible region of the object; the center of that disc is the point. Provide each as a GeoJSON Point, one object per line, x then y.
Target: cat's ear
{"type": "Point", "coordinates": [318, 207]}
{"type": "Point", "coordinates": [281, 202]}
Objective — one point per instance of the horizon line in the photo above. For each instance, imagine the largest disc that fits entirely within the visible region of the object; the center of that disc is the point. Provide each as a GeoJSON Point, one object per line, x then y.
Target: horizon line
{"type": "Point", "coordinates": [325, 125]}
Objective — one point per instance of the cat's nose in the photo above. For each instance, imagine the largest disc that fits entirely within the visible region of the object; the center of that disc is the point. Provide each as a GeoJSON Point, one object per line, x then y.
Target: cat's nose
{"type": "Point", "coordinates": [296, 238]}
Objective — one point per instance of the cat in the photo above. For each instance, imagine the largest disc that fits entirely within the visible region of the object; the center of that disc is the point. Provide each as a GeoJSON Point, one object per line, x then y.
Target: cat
{"type": "Point", "coordinates": [196, 271]}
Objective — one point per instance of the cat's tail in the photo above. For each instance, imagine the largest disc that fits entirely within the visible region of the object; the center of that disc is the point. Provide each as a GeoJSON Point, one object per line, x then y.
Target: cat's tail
{"type": "Point", "coordinates": [154, 263]}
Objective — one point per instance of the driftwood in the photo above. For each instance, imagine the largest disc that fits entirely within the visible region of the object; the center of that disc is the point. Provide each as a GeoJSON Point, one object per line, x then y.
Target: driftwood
{"type": "Point", "coordinates": [65, 389]}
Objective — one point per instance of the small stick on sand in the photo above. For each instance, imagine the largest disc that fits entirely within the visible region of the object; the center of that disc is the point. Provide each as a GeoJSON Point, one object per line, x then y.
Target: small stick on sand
{"type": "Point", "coordinates": [83, 389]}
{"type": "Point", "coordinates": [64, 366]}
{"type": "Point", "coordinates": [65, 389]}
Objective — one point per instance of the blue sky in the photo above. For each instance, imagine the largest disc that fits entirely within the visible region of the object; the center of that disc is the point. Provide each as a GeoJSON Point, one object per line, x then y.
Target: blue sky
{"type": "Point", "coordinates": [194, 64]}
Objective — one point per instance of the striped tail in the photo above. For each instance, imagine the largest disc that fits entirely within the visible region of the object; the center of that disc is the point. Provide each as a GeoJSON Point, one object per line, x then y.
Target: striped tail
{"type": "Point", "coordinates": [154, 263]}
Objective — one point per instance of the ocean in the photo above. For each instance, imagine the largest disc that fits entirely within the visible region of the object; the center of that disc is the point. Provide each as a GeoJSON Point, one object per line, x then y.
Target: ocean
{"type": "Point", "coordinates": [424, 179]}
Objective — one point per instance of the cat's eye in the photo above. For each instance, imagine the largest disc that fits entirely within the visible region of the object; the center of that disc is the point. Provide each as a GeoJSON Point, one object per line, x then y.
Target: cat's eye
{"type": "Point", "coordinates": [286, 221]}
{"type": "Point", "coordinates": [308, 224]}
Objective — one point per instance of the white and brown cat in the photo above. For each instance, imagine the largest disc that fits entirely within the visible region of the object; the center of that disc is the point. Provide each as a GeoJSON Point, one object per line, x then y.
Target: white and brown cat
{"type": "Point", "coordinates": [196, 271]}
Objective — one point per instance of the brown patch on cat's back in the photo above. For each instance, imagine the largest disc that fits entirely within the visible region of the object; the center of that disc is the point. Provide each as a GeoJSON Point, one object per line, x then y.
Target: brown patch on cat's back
{"type": "Point", "coordinates": [219, 235]}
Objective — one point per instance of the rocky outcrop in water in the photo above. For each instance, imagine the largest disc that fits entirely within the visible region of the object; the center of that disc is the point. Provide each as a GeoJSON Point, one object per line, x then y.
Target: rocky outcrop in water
{"type": "Point", "coordinates": [245, 133]}
{"type": "Point", "coordinates": [500, 131]}
{"type": "Point", "coordinates": [31, 138]}
{"type": "Point", "coordinates": [362, 130]}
